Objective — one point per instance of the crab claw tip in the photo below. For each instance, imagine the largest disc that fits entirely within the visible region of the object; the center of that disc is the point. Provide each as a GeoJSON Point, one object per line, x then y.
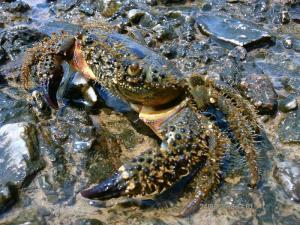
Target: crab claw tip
{"type": "Point", "coordinates": [110, 188]}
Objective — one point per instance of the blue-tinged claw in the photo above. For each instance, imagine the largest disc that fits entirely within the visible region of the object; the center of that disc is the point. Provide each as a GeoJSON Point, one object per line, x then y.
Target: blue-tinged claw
{"type": "Point", "coordinates": [110, 188]}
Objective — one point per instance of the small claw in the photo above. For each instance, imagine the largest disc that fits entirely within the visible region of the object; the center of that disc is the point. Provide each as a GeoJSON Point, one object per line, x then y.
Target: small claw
{"type": "Point", "coordinates": [49, 88]}
{"type": "Point", "coordinates": [110, 188]}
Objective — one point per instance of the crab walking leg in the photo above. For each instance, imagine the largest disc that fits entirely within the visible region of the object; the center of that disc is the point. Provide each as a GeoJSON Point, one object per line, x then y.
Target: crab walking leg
{"type": "Point", "coordinates": [208, 178]}
{"type": "Point", "coordinates": [185, 143]}
{"type": "Point", "coordinates": [239, 113]}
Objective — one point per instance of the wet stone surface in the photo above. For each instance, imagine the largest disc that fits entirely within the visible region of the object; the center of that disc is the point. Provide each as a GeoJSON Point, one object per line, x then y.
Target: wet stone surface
{"type": "Point", "coordinates": [287, 174]}
{"type": "Point", "coordinates": [260, 91]}
{"type": "Point", "coordinates": [20, 160]}
{"type": "Point", "coordinates": [253, 46]}
{"type": "Point", "coordinates": [289, 128]}
{"type": "Point", "coordinates": [231, 30]}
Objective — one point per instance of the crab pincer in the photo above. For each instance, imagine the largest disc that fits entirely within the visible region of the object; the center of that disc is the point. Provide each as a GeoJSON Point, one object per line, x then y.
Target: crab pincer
{"type": "Point", "coordinates": [42, 70]}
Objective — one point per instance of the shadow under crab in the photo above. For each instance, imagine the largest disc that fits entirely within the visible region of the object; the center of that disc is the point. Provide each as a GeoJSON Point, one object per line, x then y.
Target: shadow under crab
{"type": "Point", "coordinates": [171, 104]}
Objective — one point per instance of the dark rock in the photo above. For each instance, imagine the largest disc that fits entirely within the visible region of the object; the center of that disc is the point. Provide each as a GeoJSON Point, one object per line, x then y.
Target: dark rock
{"type": "Point", "coordinates": [239, 53]}
{"type": "Point", "coordinates": [8, 196]}
{"type": "Point", "coordinates": [166, 2]}
{"type": "Point", "coordinates": [287, 174]}
{"type": "Point", "coordinates": [291, 84]}
{"type": "Point", "coordinates": [151, 2]}
{"type": "Point", "coordinates": [260, 91]}
{"type": "Point", "coordinates": [295, 13]}
{"type": "Point", "coordinates": [17, 6]}
{"type": "Point", "coordinates": [287, 104]}
{"type": "Point", "coordinates": [233, 31]}
{"type": "Point", "coordinates": [57, 26]}
{"type": "Point", "coordinates": [188, 31]}
{"type": "Point", "coordinates": [19, 159]}
{"type": "Point", "coordinates": [289, 128]}
{"type": "Point", "coordinates": [16, 40]}
{"type": "Point", "coordinates": [284, 17]}
{"type": "Point", "coordinates": [109, 7]}
{"type": "Point", "coordinates": [2, 55]}
{"type": "Point", "coordinates": [135, 15]}
{"type": "Point", "coordinates": [164, 32]}
{"type": "Point", "coordinates": [66, 5]}
{"type": "Point", "coordinates": [88, 222]}
{"type": "Point", "coordinates": [168, 50]}
{"type": "Point", "coordinates": [87, 9]}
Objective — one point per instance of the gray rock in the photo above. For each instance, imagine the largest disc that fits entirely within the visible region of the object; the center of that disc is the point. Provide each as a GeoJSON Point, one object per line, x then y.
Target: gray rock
{"type": "Point", "coordinates": [287, 104]}
{"type": "Point", "coordinates": [17, 6]}
{"type": "Point", "coordinates": [289, 128]}
{"type": "Point", "coordinates": [19, 159]}
{"type": "Point", "coordinates": [109, 7]}
{"type": "Point", "coordinates": [287, 174]}
{"type": "Point", "coordinates": [295, 13]}
{"type": "Point", "coordinates": [88, 222]}
{"type": "Point", "coordinates": [66, 5]}
{"type": "Point", "coordinates": [233, 31]}
{"type": "Point", "coordinates": [134, 15]}
{"type": "Point", "coordinates": [291, 84]}
{"type": "Point", "coordinates": [2, 55]}
{"type": "Point", "coordinates": [17, 39]}
{"type": "Point", "coordinates": [259, 89]}
{"type": "Point", "coordinates": [87, 9]}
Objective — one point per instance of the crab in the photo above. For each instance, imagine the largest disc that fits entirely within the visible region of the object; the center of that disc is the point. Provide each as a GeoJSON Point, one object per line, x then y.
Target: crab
{"type": "Point", "coordinates": [169, 102]}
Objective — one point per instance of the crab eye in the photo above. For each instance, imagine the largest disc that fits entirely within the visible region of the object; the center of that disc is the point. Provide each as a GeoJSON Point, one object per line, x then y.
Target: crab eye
{"type": "Point", "coordinates": [134, 69]}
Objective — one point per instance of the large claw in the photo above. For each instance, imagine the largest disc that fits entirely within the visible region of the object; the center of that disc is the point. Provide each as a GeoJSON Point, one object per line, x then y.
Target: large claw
{"type": "Point", "coordinates": [109, 188]}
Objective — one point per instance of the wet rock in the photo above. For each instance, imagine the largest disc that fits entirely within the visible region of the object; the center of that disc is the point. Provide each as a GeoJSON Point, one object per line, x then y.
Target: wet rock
{"type": "Point", "coordinates": [88, 222]}
{"type": "Point", "coordinates": [57, 26]}
{"type": "Point", "coordinates": [19, 159]}
{"type": "Point", "coordinates": [168, 50]}
{"type": "Point", "coordinates": [239, 53]}
{"type": "Point", "coordinates": [15, 40]}
{"type": "Point", "coordinates": [66, 5]}
{"type": "Point", "coordinates": [259, 89]}
{"type": "Point", "coordinates": [134, 15]}
{"type": "Point", "coordinates": [87, 9]}
{"type": "Point", "coordinates": [233, 31]}
{"type": "Point", "coordinates": [289, 128]}
{"type": "Point", "coordinates": [287, 104]}
{"type": "Point", "coordinates": [295, 13]}
{"type": "Point", "coordinates": [8, 196]}
{"type": "Point", "coordinates": [284, 17]}
{"type": "Point", "coordinates": [287, 174]}
{"type": "Point", "coordinates": [151, 2]}
{"type": "Point", "coordinates": [2, 55]}
{"type": "Point", "coordinates": [164, 32]}
{"type": "Point", "coordinates": [109, 7]}
{"type": "Point", "coordinates": [291, 84]}
{"type": "Point", "coordinates": [17, 6]}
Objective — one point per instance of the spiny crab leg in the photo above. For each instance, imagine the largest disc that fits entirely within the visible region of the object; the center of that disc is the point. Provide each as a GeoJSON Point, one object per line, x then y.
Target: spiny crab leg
{"type": "Point", "coordinates": [241, 117]}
